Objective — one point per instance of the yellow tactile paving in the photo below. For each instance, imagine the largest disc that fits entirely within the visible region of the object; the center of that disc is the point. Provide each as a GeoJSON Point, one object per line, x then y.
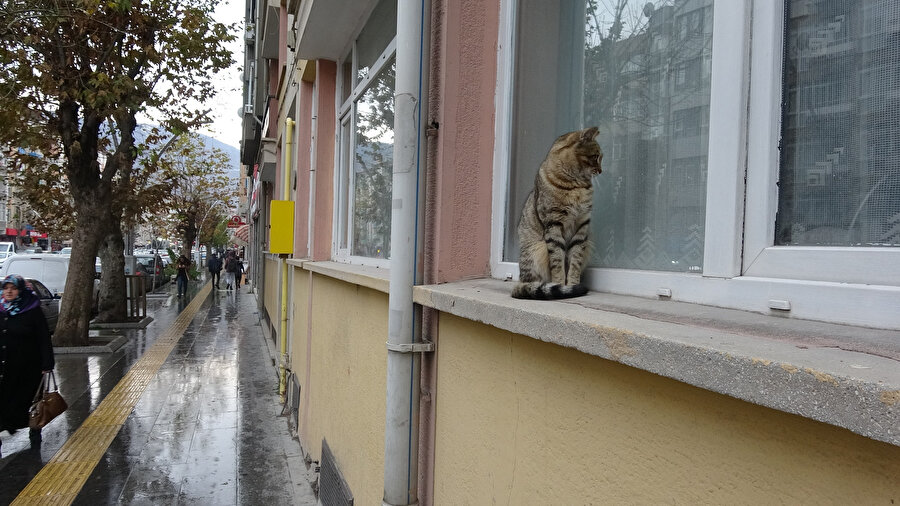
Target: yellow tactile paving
{"type": "Point", "coordinates": [59, 481]}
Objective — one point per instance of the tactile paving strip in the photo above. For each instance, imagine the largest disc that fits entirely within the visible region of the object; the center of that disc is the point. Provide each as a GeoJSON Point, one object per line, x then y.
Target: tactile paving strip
{"type": "Point", "coordinates": [62, 478]}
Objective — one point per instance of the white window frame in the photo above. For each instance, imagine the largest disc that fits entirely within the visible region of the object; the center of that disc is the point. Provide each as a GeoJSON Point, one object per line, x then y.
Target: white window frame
{"type": "Point", "coordinates": [873, 266]}
{"type": "Point", "coordinates": [742, 269]}
{"type": "Point", "coordinates": [342, 245]}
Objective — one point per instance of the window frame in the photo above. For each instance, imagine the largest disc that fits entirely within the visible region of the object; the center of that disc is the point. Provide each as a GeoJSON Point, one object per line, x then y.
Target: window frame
{"type": "Point", "coordinates": [742, 269]}
{"type": "Point", "coordinates": [861, 265]}
{"type": "Point", "coordinates": [346, 111]}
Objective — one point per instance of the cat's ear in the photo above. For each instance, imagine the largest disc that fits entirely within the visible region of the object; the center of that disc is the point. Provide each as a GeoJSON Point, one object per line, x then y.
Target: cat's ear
{"type": "Point", "coordinates": [588, 134]}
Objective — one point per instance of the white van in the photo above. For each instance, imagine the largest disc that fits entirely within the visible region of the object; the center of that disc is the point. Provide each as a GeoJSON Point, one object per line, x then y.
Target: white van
{"type": "Point", "coordinates": [50, 270]}
{"type": "Point", "coordinates": [7, 249]}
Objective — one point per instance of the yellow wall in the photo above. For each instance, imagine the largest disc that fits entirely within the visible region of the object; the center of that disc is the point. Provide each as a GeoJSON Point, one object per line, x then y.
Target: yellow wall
{"type": "Point", "coordinates": [347, 370]}
{"type": "Point", "coordinates": [299, 330]}
{"type": "Point", "coordinates": [521, 421]}
{"type": "Point", "coordinates": [272, 291]}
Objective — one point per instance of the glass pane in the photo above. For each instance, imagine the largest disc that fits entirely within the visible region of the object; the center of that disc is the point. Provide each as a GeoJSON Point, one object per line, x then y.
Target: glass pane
{"type": "Point", "coordinates": [375, 37]}
{"type": "Point", "coordinates": [347, 81]}
{"type": "Point", "coordinates": [344, 185]}
{"type": "Point", "coordinates": [642, 75]}
{"type": "Point", "coordinates": [373, 168]}
{"type": "Point", "coordinates": [839, 181]}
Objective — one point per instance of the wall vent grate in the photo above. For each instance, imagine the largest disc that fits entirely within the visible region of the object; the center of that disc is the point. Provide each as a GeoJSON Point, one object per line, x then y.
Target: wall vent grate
{"type": "Point", "coordinates": [295, 400]}
{"type": "Point", "coordinates": [333, 489]}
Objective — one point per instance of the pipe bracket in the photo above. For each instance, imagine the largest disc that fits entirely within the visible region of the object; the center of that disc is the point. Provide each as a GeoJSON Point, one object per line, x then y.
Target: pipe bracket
{"type": "Point", "coordinates": [423, 347]}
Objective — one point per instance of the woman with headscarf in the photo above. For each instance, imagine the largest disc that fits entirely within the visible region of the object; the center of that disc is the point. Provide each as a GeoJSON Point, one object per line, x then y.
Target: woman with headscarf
{"type": "Point", "coordinates": [25, 353]}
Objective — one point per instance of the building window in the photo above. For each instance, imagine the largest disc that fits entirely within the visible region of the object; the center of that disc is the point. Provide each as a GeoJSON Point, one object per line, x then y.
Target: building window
{"type": "Point", "coordinates": [366, 141]}
{"type": "Point", "coordinates": [839, 178]}
{"type": "Point", "coordinates": [762, 166]}
{"type": "Point", "coordinates": [651, 107]}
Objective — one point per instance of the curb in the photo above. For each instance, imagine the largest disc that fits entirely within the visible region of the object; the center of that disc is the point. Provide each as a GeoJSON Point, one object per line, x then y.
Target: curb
{"type": "Point", "coordinates": [112, 346]}
{"type": "Point", "coordinates": [124, 325]}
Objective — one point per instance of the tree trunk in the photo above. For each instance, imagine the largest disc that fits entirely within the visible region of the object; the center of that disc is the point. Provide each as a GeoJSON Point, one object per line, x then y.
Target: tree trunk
{"type": "Point", "coordinates": [112, 304]}
{"type": "Point", "coordinates": [189, 237]}
{"type": "Point", "coordinates": [75, 310]}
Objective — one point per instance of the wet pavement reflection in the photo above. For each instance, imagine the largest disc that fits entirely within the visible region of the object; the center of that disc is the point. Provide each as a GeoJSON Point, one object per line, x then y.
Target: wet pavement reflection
{"type": "Point", "coordinates": [207, 430]}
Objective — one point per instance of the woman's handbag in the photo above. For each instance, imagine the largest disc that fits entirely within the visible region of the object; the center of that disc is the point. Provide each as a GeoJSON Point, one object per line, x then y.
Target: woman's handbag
{"type": "Point", "coordinates": [47, 404]}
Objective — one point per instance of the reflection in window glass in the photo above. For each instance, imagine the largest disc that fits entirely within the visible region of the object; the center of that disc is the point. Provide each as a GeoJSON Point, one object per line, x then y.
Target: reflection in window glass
{"type": "Point", "coordinates": [344, 184]}
{"type": "Point", "coordinates": [641, 76]}
{"type": "Point", "coordinates": [347, 81]}
{"type": "Point", "coordinates": [375, 37]}
{"type": "Point", "coordinates": [373, 167]}
{"type": "Point", "coordinates": [839, 181]}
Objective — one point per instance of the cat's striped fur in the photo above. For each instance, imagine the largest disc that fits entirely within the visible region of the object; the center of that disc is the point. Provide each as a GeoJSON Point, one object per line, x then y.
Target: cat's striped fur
{"type": "Point", "coordinates": [553, 230]}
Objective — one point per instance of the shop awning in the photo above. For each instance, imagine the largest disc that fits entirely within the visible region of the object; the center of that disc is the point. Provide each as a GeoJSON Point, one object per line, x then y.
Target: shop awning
{"type": "Point", "coordinates": [242, 235]}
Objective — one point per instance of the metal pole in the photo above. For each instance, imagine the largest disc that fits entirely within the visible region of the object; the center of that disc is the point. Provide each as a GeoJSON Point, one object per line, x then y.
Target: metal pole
{"type": "Point", "coordinates": [200, 227]}
{"type": "Point", "coordinates": [286, 195]}
{"type": "Point", "coordinates": [404, 322]}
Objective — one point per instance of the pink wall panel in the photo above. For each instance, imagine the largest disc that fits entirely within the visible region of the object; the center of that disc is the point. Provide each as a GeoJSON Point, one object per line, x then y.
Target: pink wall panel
{"type": "Point", "coordinates": [466, 81]}
{"type": "Point", "coordinates": [301, 194]}
{"type": "Point", "coordinates": [326, 72]}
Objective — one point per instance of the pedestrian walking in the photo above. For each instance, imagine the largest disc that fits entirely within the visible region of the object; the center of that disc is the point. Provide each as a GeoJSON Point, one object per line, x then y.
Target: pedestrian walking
{"type": "Point", "coordinates": [239, 273]}
{"type": "Point", "coordinates": [182, 276]}
{"type": "Point", "coordinates": [231, 267]}
{"type": "Point", "coordinates": [215, 267]}
{"type": "Point", "coordinates": [26, 353]}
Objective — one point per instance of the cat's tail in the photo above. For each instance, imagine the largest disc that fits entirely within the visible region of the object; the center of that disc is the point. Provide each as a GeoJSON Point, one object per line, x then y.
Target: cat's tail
{"type": "Point", "coordinates": [547, 291]}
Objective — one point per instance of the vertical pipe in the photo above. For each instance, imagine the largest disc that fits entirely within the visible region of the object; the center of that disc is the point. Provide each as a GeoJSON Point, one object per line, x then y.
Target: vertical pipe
{"type": "Point", "coordinates": [402, 398]}
{"type": "Point", "coordinates": [313, 159]}
{"type": "Point", "coordinates": [286, 195]}
{"type": "Point", "coordinates": [428, 382]}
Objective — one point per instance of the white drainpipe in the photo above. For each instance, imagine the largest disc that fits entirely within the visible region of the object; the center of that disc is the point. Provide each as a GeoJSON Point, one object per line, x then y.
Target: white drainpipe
{"type": "Point", "coordinates": [404, 321]}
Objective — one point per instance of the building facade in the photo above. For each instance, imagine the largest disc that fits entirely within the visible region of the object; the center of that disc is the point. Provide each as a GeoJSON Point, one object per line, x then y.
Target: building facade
{"type": "Point", "coordinates": [741, 340]}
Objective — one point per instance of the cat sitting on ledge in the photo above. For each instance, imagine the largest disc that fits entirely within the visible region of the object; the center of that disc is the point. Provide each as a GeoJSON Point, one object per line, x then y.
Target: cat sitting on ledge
{"type": "Point", "coordinates": [553, 230]}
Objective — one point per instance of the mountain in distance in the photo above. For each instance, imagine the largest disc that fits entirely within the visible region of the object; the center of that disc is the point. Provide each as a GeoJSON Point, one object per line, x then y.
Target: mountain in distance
{"type": "Point", "coordinates": [234, 155]}
{"type": "Point", "coordinates": [233, 170]}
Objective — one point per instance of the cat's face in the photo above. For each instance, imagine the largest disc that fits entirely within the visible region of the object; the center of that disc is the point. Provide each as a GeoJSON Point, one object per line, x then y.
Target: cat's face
{"type": "Point", "coordinates": [588, 151]}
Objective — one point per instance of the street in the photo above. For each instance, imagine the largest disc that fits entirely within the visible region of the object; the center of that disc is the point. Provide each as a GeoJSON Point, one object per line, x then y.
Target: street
{"type": "Point", "coordinates": [205, 427]}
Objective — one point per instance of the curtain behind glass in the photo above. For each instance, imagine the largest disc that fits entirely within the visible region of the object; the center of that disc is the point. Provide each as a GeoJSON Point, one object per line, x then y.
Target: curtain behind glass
{"type": "Point", "coordinates": [643, 77]}
{"type": "Point", "coordinates": [839, 182]}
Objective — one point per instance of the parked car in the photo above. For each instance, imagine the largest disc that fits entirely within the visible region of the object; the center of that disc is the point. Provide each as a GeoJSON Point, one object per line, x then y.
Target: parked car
{"type": "Point", "coordinates": [151, 267]}
{"type": "Point", "coordinates": [49, 302]}
{"type": "Point", "coordinates": [66, 251]}
{"type": "Point", "coordinates": [51, 270]}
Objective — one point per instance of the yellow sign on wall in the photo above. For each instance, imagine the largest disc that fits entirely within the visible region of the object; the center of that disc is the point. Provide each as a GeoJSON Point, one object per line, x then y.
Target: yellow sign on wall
{"type": "Point", "coordinates": [281, 231]}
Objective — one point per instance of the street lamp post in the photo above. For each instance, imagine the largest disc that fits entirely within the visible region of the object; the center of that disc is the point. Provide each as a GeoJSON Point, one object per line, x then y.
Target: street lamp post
{"type": "Point", "coordinates": [200, 226]}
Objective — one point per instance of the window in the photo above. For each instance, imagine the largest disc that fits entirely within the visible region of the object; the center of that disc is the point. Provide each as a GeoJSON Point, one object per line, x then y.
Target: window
{"type": "Point", "coordinates": [752, 157]}
{"type": "Point", "coordinates": [365, 141]}
{"type": "Point", "coordinates": [839, 178]}
{"type": "Point", "coordinates": [823, 207]}
{"type": "Point", "coordinates": [653, 105]}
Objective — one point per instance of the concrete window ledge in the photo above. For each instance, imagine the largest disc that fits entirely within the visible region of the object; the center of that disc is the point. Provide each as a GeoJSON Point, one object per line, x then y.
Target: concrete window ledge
{"type": "Point", "coordinates": [370, 277]}
{"type": "Point", "coordinates": [841, 375]}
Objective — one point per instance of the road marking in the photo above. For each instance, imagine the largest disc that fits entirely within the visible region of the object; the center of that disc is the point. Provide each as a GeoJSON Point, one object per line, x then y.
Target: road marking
{"type": "Point", "coordinates": [63, 477]}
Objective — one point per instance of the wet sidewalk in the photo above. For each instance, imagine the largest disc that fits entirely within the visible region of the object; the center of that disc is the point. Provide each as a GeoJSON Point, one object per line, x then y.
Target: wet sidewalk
{"type": "Point", "coordinates": [206, 429]}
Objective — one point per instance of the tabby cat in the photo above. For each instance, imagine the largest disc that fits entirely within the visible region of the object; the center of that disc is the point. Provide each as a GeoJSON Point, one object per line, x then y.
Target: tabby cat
{"type": "Point", "coordinates": [553, 230]}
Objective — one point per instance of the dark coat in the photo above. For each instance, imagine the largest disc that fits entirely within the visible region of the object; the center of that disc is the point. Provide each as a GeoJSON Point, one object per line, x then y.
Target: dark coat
{"type": "Point", "coordinates": [232, 263]}
{"type": "Point", "coordinates": [25, 351]}
{"type": "Point", "coordinates": [182, 265]}
{"type": "Point", "coordinates": [215, 264]}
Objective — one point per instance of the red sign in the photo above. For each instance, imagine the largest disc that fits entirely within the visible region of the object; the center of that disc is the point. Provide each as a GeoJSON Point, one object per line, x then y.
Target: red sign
{"type": "Point", "coordinates": [235, 222]}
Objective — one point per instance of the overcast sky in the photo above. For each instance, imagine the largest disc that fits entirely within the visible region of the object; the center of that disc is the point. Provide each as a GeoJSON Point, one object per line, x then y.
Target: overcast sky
{"type": "Point", "coordinates": [226, 125]}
